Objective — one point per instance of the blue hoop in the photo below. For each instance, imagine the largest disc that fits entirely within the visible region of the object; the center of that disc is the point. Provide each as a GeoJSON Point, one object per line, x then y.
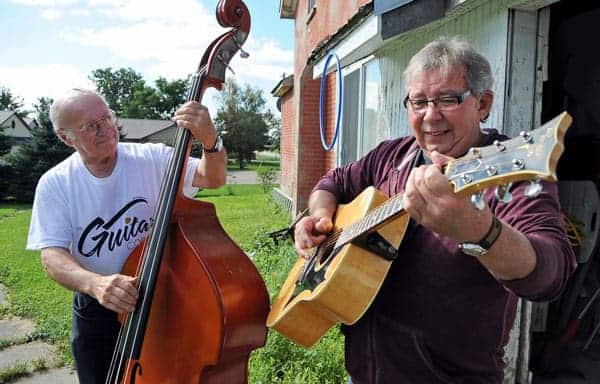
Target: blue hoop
{"type": "Point", "coordinates": [339, 109]}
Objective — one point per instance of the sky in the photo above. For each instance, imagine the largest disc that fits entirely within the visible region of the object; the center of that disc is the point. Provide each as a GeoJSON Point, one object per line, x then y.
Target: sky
{"type": "Point", "coordinates": [50, 46]}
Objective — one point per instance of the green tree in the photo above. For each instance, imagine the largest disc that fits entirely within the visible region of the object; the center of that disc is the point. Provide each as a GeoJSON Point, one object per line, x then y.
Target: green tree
{"type": "Point", "coordinates": [32, 159]}
{"type": "Point", "coordinates": [117, 86]}
{"type": "Point", "coordinates": [5, 168]}
{"type": "Point", "coordinates": [4, 143]}
{"type": "Point", "coordinates": [242, 121]}
{"type": "Point", "coordinates": [128, 95]}
{"type": "Point", "coordinates": [159, 102]}
{"type": "Point", "coordinates": [11, 102]}
{"type": "Point", "coordinates": [274, 133]}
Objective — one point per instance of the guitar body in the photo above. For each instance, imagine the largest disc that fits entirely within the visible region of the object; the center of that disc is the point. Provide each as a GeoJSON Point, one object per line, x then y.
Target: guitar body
{"type": "Point", "coordinates": [352, 278]}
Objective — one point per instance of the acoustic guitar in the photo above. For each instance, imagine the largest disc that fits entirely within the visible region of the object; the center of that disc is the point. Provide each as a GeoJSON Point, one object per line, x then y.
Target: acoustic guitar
{"type": "Point", "coordinates": [344, 273]}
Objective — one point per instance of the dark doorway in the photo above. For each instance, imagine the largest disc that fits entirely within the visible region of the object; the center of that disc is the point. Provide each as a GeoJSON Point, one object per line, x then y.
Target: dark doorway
{"type": "Point", "coordinates": [574, 84]}
{"type": "Point", "coordinates": [568, 352]}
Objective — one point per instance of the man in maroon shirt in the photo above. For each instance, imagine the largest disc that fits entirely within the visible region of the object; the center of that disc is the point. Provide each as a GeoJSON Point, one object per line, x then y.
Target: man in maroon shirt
{"type": "Point", "coordinates": [445, 310]}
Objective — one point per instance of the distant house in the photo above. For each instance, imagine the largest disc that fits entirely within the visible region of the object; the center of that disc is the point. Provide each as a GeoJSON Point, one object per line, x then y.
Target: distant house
{"type": "Point", "coordinates": [14, 127]}
{"type": "Point", "coordinates": [147, 131]}
{"type": "Point", "coordinates": [135, 130]}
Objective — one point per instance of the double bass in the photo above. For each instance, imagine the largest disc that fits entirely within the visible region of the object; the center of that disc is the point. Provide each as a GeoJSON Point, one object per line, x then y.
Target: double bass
{"type": "Point", "coordinates": [202, 304]}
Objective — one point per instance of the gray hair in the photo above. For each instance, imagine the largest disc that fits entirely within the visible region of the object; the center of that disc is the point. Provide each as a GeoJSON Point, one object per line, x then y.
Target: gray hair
{"type": "Point", "coordinates": [59, 104]}
{"type": "Point", "coordinates": [446, 53]}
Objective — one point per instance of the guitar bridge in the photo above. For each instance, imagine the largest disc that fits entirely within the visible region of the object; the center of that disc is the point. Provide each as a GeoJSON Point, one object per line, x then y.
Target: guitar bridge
{"type": "Point", "coordinates": [377, 244]}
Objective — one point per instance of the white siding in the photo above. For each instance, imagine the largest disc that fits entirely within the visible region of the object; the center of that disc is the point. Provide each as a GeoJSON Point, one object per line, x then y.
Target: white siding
{"type": "Point", "coordinates": [485, 26]}
{"type": "Point", "coordinates": [19, 130]}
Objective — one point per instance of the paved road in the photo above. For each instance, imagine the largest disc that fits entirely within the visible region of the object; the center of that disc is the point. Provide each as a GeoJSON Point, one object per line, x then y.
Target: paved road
{"type": "Point", "coordinates": [245, 177]}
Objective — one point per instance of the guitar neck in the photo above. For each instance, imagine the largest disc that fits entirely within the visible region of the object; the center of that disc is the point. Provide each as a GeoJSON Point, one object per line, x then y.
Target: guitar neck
{"type": "Point", "coordinates": [371, 220]}
{"type": "Point", "coordinates": [532, 156]}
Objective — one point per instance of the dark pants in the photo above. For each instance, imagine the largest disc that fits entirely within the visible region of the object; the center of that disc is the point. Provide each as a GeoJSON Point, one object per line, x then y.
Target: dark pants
{"type": "Point", "coordinates": [95, 332]}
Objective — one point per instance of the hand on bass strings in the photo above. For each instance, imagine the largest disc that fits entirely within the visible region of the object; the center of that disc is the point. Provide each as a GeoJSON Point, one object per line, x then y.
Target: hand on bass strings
{"type": "Point", "coordinates": [116, 292]}
{"type": "Point", "coordinates": [195, 117]}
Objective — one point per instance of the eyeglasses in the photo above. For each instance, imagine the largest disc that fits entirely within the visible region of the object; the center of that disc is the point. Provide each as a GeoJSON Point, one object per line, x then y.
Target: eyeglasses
{"type": "Point", "coordinates": [444, 102]}
{"type": "Point", "coordinates": [95, 125]}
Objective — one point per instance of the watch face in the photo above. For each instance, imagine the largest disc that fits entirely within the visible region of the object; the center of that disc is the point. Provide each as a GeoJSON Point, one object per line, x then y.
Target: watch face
{"type": "Point", "coordinates": [472, 249]}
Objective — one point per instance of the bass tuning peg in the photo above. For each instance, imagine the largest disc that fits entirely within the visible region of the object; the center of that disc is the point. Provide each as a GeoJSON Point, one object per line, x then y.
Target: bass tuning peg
{"type": "Point", "coordinates": [243, 54]}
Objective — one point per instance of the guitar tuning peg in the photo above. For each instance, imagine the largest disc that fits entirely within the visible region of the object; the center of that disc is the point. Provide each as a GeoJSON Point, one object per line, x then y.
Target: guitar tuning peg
{"type": "Point", "coordinates": [526, 136]}
{"type": "Point", "coordinates": [503, 193]}
{"type": "Point", "coordinates": [477, 201]}
{"type": "Point", "coordinates": [533, 189]}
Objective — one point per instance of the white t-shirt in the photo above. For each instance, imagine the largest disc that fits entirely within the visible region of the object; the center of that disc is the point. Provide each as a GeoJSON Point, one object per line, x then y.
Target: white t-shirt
{"type": "Point", "coordinates": [101, 220]}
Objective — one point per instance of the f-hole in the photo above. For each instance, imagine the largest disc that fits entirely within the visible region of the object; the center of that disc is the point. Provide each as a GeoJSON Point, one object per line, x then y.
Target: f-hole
{"type": "Point", "coordinates": [134, 372]}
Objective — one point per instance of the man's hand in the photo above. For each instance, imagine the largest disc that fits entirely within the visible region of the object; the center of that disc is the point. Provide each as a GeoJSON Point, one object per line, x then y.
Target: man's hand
{"type": "Point", "coordinates": [431, 201]}
{"type": "Point", "coordinates": [311, 231]}
{"type": "Point", "coordinates": [195, 117]}
{"type": "Point", "coordinates": [116, 292]}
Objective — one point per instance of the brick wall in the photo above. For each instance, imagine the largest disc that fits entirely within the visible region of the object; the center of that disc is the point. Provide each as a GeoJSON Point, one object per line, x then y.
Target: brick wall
{"type": "Point", "coordinates": [287, 145]}
{"type": "Point", "coordinates": [304, 160]}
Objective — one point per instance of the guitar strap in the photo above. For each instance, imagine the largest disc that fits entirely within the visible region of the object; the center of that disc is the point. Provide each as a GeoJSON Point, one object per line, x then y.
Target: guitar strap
{"type": "Point", "coordinates": [419, 159]}
{"type": "Point", "coordinates": [373, 241]}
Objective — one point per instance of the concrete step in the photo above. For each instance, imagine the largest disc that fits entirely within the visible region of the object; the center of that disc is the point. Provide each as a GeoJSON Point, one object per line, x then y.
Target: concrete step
{"type": "Point", "coordinates": [51, 376]}
{"type": "Point", "coordinates": [15, 328]}
{"type": "Point", "coordinates": [3, 296]}
{"type": "Point", "coordinates": [24, 353]}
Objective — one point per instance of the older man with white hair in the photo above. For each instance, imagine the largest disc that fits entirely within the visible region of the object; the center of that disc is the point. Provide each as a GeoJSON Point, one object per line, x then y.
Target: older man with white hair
{"type": "Point", "coordinates": [91, 210]}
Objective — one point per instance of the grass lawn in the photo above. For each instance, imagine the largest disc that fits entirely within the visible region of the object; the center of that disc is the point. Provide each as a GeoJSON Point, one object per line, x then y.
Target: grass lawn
{"type": "Point", "coordinates": [247, 214]}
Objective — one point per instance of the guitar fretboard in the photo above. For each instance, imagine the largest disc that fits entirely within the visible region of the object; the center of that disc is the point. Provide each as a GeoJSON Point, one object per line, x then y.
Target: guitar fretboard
{"type": "Point", "coordinates": [372, 219]}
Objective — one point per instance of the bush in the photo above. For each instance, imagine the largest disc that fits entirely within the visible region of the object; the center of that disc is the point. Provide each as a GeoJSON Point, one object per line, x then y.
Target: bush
{"type": "Point", "coordinates": [267, 177]}
{"type": "Point", "coordinates": [282, 361]}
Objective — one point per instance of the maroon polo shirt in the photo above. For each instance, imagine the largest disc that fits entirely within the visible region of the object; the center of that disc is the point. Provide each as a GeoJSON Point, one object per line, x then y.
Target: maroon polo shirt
{"type": "Point", "coordinates": [440, 316]}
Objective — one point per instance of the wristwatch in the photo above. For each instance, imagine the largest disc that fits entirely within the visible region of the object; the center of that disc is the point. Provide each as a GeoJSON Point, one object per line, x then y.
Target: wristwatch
{"type": "Point", "coordinates": [217, 147]}
{"type": "Point", "coordinates": [482, 246]}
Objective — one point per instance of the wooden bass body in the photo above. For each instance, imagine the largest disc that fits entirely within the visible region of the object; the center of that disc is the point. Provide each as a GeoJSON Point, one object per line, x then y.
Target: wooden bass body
{"type": "Point", "coordinates": [209, 307]}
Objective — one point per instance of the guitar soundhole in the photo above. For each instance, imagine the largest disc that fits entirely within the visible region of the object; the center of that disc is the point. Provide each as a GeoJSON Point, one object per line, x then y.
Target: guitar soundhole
{"type": "Point", "coordinates": [324, 255]}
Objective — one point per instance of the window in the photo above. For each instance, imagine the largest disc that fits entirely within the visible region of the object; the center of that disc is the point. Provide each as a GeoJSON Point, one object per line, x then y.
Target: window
{"type": "Point", "coordinates": [370, 106]}
{"type": "Point", "coordinates": [361, 128]}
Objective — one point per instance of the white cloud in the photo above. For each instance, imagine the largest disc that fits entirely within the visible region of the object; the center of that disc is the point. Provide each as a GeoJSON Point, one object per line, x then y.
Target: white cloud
{"type": "Point", "coordinates": [33, 82]}
{"type": "Point", "coordinates": [156, 38]}
{"type": "Point", "coordinates": [51, 14]}
{"type": "Point", "coordinates": [170, 40]}
{"type": "Point", "coordinates": [181, 11]}
{"type": "Point", "coordinates": [44, 3]}
{"type": "Point", "coordinates": [80, 12]}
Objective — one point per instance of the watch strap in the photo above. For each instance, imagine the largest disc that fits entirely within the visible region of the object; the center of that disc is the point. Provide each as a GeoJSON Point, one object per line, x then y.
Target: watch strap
{"type": "Point", "coordinates": [492, 234]}
{"type": "Point", "coordinates": [217, 146]}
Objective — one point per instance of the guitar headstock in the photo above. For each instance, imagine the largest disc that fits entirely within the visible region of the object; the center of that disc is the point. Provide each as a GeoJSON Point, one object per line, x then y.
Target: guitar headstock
{"type": "Point", "coordinates": [532, 156]}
